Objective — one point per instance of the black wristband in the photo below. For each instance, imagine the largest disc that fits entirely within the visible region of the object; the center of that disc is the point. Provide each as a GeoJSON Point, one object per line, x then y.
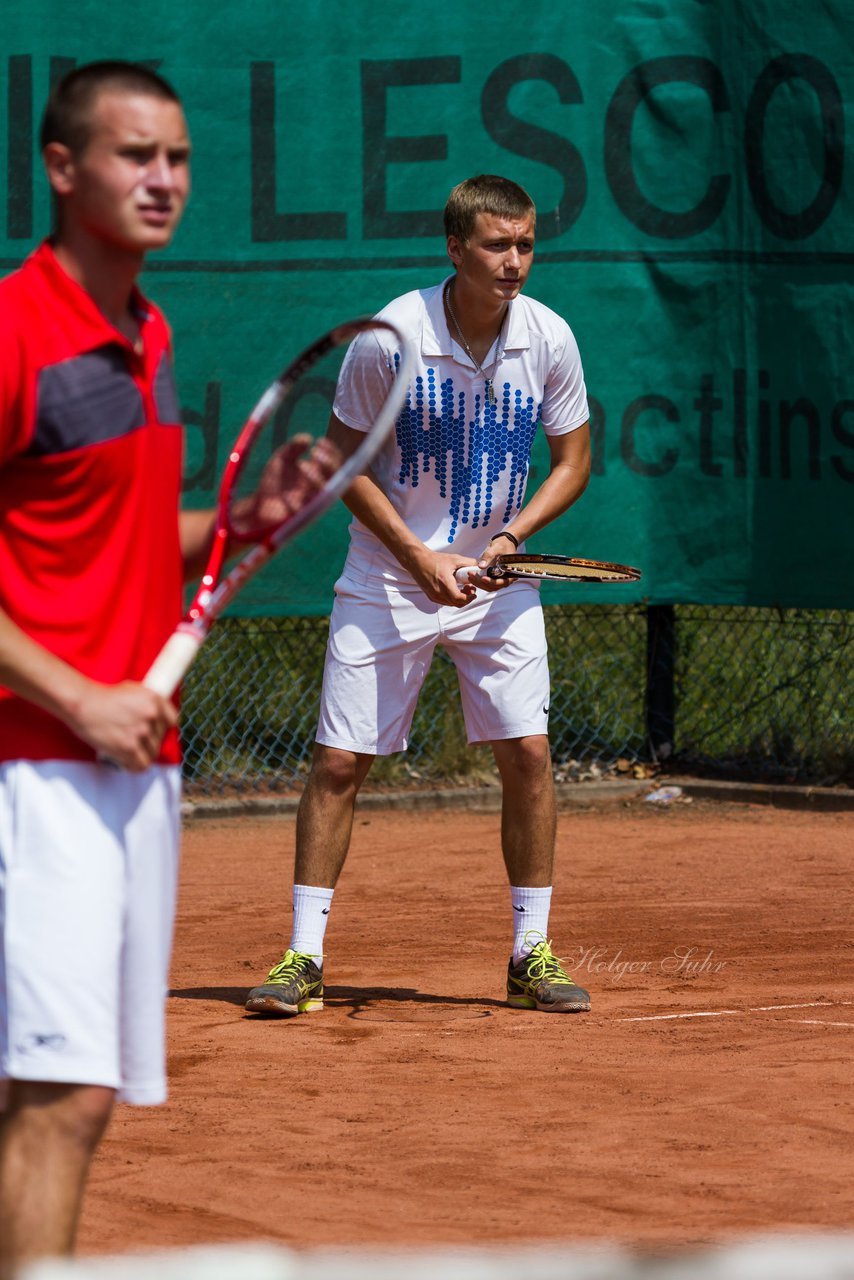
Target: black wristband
{"type": "Point", "coordinates": [505, 533]}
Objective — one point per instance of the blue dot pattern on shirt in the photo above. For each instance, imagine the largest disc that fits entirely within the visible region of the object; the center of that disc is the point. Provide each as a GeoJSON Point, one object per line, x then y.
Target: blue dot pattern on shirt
{"type": "Point", "coordinates": [468, 452]}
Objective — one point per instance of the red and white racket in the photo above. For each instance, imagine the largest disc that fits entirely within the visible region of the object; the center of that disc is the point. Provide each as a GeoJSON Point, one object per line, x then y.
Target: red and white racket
{"type": "Point", "coordinates": [282, 473]}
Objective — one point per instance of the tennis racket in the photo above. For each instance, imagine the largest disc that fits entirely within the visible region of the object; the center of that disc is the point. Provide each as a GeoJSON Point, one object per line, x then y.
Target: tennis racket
{"type": "Point", "coordinates": [282, 473]}
{"type": "Point", "coordinates": [554, 569]}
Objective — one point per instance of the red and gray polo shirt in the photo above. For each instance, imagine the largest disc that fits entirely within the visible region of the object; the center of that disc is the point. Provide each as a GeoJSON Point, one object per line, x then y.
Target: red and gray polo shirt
{"type": "Point", "coordinates": [90, 480]}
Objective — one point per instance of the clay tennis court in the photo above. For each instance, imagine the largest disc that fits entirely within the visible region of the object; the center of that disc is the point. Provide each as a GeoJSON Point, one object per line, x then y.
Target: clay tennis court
{"type": "Point", "coordinates": [703, 1097]}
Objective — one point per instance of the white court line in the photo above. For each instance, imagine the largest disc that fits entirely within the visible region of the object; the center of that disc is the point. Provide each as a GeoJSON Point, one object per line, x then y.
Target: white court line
{"type": "Point", "coordinates": [664, 1017]}
{"type": "Point", "coordinates": [813, 1004]}
{"type": "Point", "coordinates": [820, 1022]}
{"type": "Point", "coordinates": [759, 1008]}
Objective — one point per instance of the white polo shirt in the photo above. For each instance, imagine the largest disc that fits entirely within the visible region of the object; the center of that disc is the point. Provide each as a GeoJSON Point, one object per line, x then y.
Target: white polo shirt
{"type": "Point", "coordinates": [456, 465]}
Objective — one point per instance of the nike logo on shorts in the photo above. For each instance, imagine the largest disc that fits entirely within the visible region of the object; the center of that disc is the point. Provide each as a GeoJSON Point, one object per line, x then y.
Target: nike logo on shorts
{"type": "Point", "coordinates": [41, 1040]}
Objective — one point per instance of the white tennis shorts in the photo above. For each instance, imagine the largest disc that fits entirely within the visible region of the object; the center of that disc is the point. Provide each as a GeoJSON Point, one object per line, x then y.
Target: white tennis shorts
{"type": "Point", "coordinates": [88, 874]}
{"type": "Point", "coordinates": [381, 644]}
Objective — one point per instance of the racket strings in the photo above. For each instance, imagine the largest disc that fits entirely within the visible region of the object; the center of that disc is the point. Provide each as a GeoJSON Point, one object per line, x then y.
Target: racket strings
{"type": "Point", "coordinates": [282, 472]}
{"type": "Point", "coordinates": [292, 475]}
{"type": "Point", "coordinates": [575, 573]}
{"type": "Point", "coordinates": [571, 570]}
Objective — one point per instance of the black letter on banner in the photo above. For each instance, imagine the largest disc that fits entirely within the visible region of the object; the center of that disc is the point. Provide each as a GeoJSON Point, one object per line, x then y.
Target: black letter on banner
{"type": "Point", "coordinates": [845, 436]}
{"type": "Point", "coordinates": [379, 150]}
{"type": "Point", "coordinates": [707, 404]}
{"type": "Point", "coordinates": [597, 436]}
{"type": "Point", "coordinates": [805, 409]}
{"type": "Point", "coordinates": [204, 477]}
{"type": "Point", "coordinates": [627, 442]}
{"type": "Point", "coordinates": [630, 93]}
{"type": "Point", "coordinates": [267, 224]}
{"type": "Point", "coordinates": [19, 161]}
{"type": "Point", "coordinates": [533, 142]}
{"type": "Point", "coordinates": [796, 66]}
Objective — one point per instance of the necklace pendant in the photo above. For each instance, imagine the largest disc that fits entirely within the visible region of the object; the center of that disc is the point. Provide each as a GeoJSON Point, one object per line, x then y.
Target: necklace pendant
{"type": "Point", "coordinates": [490, 391]}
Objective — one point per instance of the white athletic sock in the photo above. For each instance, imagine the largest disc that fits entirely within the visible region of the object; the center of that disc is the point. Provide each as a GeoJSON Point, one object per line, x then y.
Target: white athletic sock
{"type": "Point", "coordinates": [312, 905]}
{"type": "Point", "coordinates": [530, 916]}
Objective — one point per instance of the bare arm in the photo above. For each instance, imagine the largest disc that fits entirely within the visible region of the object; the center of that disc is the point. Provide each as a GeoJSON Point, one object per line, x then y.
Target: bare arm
{"type": "Point", "coordinates": [432, 570]}
{"type": "Point", "coordinates": [195, 531]}
{"type": "Point", "coordinates": [124, 723]}
{"type": "Point", "coordinates": [568, 477]}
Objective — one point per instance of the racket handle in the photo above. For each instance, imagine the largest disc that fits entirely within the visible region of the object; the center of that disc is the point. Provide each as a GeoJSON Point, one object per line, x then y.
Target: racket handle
{"type": "Point", "coordinates": [468, 571]}
{"type": "Point", "coordinates": [172, 663]}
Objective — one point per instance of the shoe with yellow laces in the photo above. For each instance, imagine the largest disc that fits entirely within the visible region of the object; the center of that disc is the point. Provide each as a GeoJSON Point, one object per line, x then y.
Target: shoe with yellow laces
{"type": "Point", "coordinates": [539, 981]}
{"type": "Point", "coordinates": [294, 985]}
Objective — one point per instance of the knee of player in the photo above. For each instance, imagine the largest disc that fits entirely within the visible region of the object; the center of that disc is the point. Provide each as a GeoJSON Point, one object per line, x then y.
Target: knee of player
{"type": "Point", "coordinates": [61, 1116]}
{"type": "Point", "coordinates": [527, 760]}
{"type": "Point", "coordinates": [336, 772]}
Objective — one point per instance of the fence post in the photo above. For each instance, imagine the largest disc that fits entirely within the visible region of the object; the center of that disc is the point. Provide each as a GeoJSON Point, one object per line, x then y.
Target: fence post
{"type": "Point", "coordinates": [660, 669]}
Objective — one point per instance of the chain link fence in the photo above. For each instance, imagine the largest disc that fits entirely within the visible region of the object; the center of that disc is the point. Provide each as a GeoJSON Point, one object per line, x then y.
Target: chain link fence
{"type": "Point", "coordinates": [744, 693]}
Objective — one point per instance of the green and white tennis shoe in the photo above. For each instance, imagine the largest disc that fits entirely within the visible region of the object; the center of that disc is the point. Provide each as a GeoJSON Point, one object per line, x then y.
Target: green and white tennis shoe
{"type": "Point", "coordinates": [539, 981]}
{"type": "Point", "coordinates": [294, 985]}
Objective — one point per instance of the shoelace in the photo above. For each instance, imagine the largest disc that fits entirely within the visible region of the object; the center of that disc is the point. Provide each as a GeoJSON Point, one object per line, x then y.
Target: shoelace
{"type": "Point", "coordinates": [292, 965]}
{"type": "Point", "coordinates": [543, 963]}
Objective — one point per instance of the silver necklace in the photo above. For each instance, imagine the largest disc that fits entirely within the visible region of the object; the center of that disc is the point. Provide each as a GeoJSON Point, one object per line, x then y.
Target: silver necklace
{"type": "Point", "coordinates": [490, 390]}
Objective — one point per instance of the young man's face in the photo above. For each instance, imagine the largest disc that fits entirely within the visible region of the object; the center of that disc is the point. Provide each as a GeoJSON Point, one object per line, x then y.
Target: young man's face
{"type": "Point", "coordinates": [128, 187]}
{"type": "Point", "coordinates": [495, 260]}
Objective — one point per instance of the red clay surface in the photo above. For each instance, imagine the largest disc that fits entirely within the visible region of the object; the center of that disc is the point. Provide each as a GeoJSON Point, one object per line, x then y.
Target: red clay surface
{"type": "Point", "coordinates": [417, 1109]}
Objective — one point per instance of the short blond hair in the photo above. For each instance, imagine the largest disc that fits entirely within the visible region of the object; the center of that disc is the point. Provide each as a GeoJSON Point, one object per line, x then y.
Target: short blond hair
{"type": "Point", "coordinates": [487, 193]}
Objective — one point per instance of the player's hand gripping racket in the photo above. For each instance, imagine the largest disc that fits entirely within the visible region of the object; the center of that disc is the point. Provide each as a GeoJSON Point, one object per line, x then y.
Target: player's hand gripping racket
{"type": "Point", "coordinates": [282, 472]}
{"type": "Point", "coordinates": [553, 569]}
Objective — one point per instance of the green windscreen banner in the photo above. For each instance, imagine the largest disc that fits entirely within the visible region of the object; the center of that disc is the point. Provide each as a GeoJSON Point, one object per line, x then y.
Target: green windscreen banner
{"type": "Point", "coordinates": [691, 168]}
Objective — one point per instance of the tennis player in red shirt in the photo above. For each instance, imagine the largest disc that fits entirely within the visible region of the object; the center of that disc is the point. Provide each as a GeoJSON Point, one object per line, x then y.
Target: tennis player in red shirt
{"type": "Point", "coordinates": [93, 554]}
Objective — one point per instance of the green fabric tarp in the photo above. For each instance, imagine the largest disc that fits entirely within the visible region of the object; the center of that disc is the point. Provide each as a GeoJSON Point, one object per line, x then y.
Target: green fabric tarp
{"type": "Point", "coordinates": [690, 168]}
